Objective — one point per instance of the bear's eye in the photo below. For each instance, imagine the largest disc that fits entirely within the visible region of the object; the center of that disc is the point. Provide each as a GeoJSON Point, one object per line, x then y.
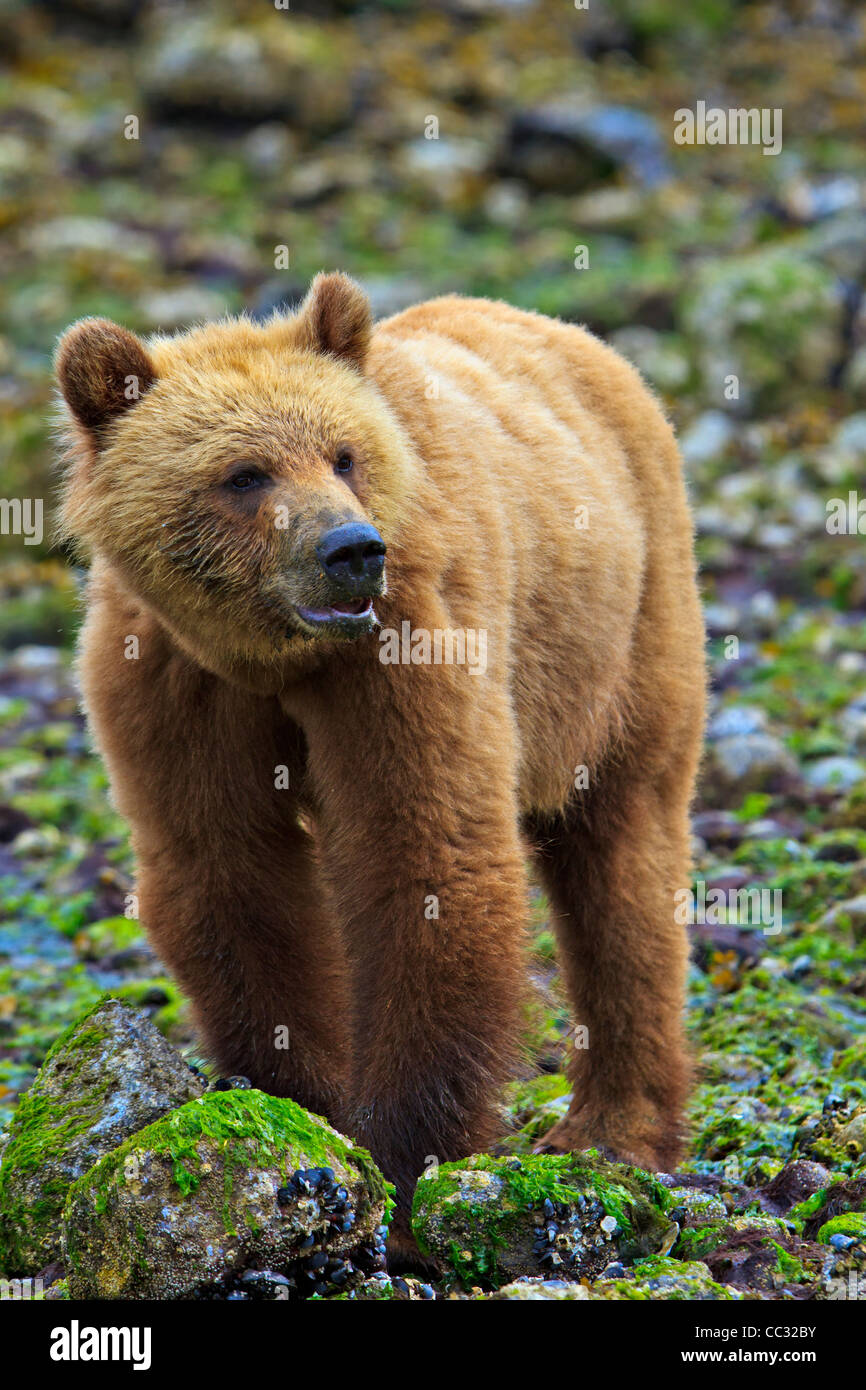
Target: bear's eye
{"type": "Point", "coordinates": [345, 461]}
{"type": "Point", "coordinates": [245, 478]}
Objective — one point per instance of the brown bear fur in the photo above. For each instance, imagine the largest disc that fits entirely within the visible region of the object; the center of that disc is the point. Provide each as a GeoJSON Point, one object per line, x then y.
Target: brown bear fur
{"type": "Point", "coordinates": [478, 434]}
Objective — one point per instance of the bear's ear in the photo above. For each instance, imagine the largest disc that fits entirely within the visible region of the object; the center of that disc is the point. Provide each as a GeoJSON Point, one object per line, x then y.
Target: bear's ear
{"type": "Point", "coordinates": [335, 317]}
{"type": "Point", "coordinates": [102, 369]}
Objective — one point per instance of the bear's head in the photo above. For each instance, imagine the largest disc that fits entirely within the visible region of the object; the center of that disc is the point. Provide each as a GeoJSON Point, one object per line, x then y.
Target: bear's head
{"type": "Point", "coordinates": [244, 479]}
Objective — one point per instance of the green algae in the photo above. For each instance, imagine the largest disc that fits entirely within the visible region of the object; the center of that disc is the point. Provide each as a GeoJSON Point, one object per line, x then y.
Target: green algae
{"type": "Point", "coordinates": [849, 1223]}
{"type": "Point", "coordinates": [207, 1168]}
{"type": "Point", "coordinates": [695, 1242]}
{"type": "Point", "coordinates": [635, 1200]}
{"type": "Point", "coordinates": [790, 1268]}
{"type": "Point", "coordinates": [247, 1129]}
{"type": "Point", "coordinates": [839, 1198]}
{"type": "Point", "coordinates": [45, 1126]}
{"type": "Point", "coordinates": [666, 1278]}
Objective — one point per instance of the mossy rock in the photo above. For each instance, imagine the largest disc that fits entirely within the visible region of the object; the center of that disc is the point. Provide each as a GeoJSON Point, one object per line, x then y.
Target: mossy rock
{"type": "Point", "coordinates": [663, 1280]}
{"type": "Point", "coordinates": [836, 1199]}
{"type": "Point", "coordinates": [704, 1237]}
{"type": "Point", "coordinates": [837, 1138]}
{"type": "Point", "coordinates": [198, 65]}
{"type": "Point", "coordinates": [772, 317]}
{"type": "Point", "coordinates": [754, 1256]}
{"type": "Point", "coordinates": [108, 1075]}
{"type": "Point", "coordinates": [689, 1206]}
{"type": "Point", "coordinates": [491, 1221]}
{"type": "Point", "coordinates": [849, 1223]}
{"type": "Point", "coordinates": [234, 1185]}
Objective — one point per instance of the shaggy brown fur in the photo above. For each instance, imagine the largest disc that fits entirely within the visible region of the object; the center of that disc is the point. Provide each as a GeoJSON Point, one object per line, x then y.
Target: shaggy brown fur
{"type": "Point", "coordinates": [526, 484]}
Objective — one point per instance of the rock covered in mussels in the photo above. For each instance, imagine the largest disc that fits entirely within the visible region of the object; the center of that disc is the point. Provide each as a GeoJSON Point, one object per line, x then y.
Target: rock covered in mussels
{"type": "Point", "coordinates": [492, 1221]}
{"type": "Point", "coordinates": [237, 1195]}
{"type": "Point", "coordinates": [108, 1075]}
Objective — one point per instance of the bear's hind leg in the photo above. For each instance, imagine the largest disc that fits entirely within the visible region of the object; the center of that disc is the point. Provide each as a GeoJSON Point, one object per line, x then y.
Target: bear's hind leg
{"type": "Point", "coordinates": [611, 870]}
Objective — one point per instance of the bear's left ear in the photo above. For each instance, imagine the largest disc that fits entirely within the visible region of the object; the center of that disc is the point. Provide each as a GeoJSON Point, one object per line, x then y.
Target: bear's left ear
{"type": "Point", "coordinates": [102, 370]}
{"type": "Point", "coordinates": [336, 318]}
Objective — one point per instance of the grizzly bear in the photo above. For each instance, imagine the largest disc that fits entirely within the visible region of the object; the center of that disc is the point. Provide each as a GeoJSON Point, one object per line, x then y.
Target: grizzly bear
{"type": "Point", "coordinates": [370, 611]}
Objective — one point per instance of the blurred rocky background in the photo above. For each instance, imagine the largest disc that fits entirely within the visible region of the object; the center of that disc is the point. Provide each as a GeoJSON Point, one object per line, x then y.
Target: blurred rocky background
{"type": "Point", "coordinates": [158, 162]}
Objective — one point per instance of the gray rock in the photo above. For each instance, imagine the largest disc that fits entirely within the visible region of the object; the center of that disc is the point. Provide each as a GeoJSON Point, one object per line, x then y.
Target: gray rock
{"type": "Point", "coordinates": [835, 774]}
{"type": "Point", "coordinates": [736, 720]}
{"type": "Point", "coordinates": [764, 829]}
{"type": "Point", "coordinates": [691, 1206]}
{"type": "Point", "coordinates": [391, 294]}
{"type": "Point", "coordinates": [708, 437]}
{"type": "Point", "coordinates": [814, 201]}
{"type": "Point", "coordinates": [850, 436]}
{"type": "Point", "coordinates": [505, 202]}
{"type": "Point", "coordinates": [35, 660]}
{"type": "Point", "coordinates": [234, 1182]}
{"type": "Point", "coordinates": [718, 827]}
{"type": "Point", "coordinates": [849, 915]}
{"type": "Point", "coordinates": [107, 1076]}
{"type": "Point", "coordinates": [565, 147]}
{"type": "Point", "coordinates": [204, 65]}
{"type": "Point", "coordinates": [722, 619]}
{"type": "Point", "coordinates": [65, 236]}
{"type": "Point", "coordinates": [774, 318]}
{"type": "Point", "coordinates": [181, 306]}
{"type": "Point", "coordinates": [730, 522]}
{"type": "Point", "coordinates": [762, 614]}
{"type": "Point", "coordinates": [657, 356]}
{"type": "Point", "coordinates": [838, 245]}
{"type": "Point", "coordinates": [793, 1184]}
{"type": "Point", "coordinates": [442, 163]}
{"type": "Point", "coordinates": [746, 762]}
{"type": "Point", "coordinates": [852, 723]}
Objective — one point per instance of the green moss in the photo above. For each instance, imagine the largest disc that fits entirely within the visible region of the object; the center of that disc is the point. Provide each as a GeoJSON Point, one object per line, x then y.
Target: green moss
{"type": "Point", "coordinates": [799, 1214]}
{"type": "Point", "coordinates": [247, 1129]}
{"type": "Point", "coordinates": [45, 1124]}
{"type": "Point", "coordinates": [632, 1197]}
{"type": "Point", "coordinates": [839, 1198]}
{"type": "Point", "coordinates": [111, 934]}
{"type": "Point", "coordinates": [660, 1276]}
{"type": "Point", "coordinates": [789, 1267]}
{"type": "Point", "coordinates": [693, 1243]}
{"type": "Point", "coordinates": [849, 1223]}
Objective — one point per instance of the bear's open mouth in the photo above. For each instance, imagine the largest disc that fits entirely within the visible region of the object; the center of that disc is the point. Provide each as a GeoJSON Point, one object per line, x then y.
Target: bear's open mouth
{"type": "Point", "coordinates": [345, 613]}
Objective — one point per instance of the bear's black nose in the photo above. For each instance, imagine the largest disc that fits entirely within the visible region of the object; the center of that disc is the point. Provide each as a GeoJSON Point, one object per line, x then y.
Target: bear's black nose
{"type": "Point", "coordinates": [352, 554]}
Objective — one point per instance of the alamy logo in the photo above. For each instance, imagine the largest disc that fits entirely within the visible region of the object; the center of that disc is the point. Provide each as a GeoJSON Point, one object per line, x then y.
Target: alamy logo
{"type": "Point", "coordinates": [755, 907]}
{"type": "Point", "coordinates": [448, 646]}
{"type": "Point", "coordinates": [76, 1343]}
{"type": "Point", "coordinates": [712, 125]}
{"type": "Point", "coordinates": [22, 516]}
{"type": "Point", "coordinates": [16, 1290]}
{"type": "Point", "coordinates": [846, 516]}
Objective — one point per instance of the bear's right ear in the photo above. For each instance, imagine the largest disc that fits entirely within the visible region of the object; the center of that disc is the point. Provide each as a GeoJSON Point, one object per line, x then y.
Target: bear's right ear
{"type": "Point", "coordinates": [102, 370]}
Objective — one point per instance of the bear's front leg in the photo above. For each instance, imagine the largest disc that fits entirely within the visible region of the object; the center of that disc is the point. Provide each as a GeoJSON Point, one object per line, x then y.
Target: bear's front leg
{"type": "Point", "coordinates": [426, 873]}
{"type": "Point", "coordinates": [209, 778]}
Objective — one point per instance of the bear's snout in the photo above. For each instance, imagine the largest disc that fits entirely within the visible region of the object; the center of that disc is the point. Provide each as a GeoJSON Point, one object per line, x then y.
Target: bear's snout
{"type": "Point", "coordinates": [353, 557]}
